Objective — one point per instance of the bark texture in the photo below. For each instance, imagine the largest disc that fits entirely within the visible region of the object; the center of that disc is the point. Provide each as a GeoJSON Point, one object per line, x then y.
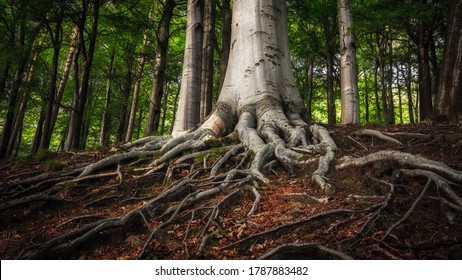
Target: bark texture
{"type": "Point", "coordinates": [188, 114]}
{"type": "Point", "coordinates": [449, 100]}
{"type": "Point", "coordinates": [348, 71]}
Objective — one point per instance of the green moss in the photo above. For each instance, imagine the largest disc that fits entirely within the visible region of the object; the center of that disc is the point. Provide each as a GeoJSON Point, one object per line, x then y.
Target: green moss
{"type": "Point", "coordinates": [219, 142]}
{"type": "Point", "coordinates": [53, 165]}
{"type": "Point", "coordinates": [43, 154]}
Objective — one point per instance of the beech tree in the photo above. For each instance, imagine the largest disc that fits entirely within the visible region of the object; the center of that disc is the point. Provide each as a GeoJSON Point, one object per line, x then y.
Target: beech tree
{"type": "Point", "coordinates": [259, 118]}
{"type": "Point", "coordinates": [348, 71]}
{"type": "Point", "coordinates": [188, 114]}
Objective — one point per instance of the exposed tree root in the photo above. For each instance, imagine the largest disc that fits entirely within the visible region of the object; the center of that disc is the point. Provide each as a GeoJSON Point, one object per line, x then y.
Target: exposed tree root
{"type": "Point", "coordinates": [378, 135]}
{"type": "Point", "coordinates": [307, 251]}
{"type": "Point", "coordinates": [288, 227]}
{"type": "Point", "coordinates": [207, 179]}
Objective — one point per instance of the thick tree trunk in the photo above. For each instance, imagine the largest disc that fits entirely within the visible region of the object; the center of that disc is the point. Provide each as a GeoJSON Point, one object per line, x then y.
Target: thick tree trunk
{"type": "Point", "coordinates": [3, 78]}
{"type": "Point", "coordinates": [449, 99]}
{"type": "Point", "coordinates": [259, 91]}
{"type": "Point", "coordinates": [159, 70]}
{"type": "Point", "coordinates": [207, 59]}
{"type": "Point", "coordinates": [188, 114]}
{"type": "Point", "coordinates": [348, 71]}
{"type": "Point", "coordinates": [420, 34]}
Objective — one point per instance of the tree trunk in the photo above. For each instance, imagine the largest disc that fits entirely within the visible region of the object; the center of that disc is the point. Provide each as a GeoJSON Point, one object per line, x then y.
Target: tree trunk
{"type": "Point", "coordinates": [64, 77]}
{"type": "Point", "coordinates": [71, 129]}
{"type": "Point", "coordinates": [75, 124]}
{"type": "Point", "coordinates": [348, 71]}
{"type": "Point", "coordinates": [50, 100]}
{"type": "Point", "coordinates": [160, 68]}
{"type": "Point", "coordinates": [3, 78]}
{"type": "Point", "coordinates": [106, 122]}
{"type": "Point", "coordinates": [18, 123]}
{"type": "Point", "coordinates": [378, 109]}
{"type": "Point", "coordinates": [330, 58]}
{"type": "Point", "coordinates": [409, 92]}
{"type": "Point", "coordinates": [366, 97]}
{"type": "Point", "coordinates": [188, 114]}
{"type": "Point", "coordinates": [207, 59]}
{"type": "Point", "coordinates": [15, 87]}
{"type": "Point", "coordinates": [125, 89]}
{"type": "Point", "coordinates": [449, 99]}
{"type": "Point", "coordinates": [391, 102]}
{"type": "Point", "coordinates": [137, 87]}
{"type": "Point", "coordinates": [259, 91]}
{"type": "Point", "coordinates": [310, 88]}
{"type": "Point", "coordinates": [225, 39]}
{"type": "Point", "coordinates": [420, 34]}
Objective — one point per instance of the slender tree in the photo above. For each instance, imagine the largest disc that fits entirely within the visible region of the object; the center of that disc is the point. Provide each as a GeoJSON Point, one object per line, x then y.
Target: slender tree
{"type": "Point", "coordinates": [75, 124]}
{"type": "Point", "coordinates": [158, 79]}
{"type": "Point", "coordinates": [137, 86]}
{"type": "Point", "coordinates": [106, 121]}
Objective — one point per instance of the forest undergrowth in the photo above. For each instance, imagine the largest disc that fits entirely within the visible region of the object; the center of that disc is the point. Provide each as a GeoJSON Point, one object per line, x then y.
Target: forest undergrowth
{"type": "Point", "coordinates": [396, 196]}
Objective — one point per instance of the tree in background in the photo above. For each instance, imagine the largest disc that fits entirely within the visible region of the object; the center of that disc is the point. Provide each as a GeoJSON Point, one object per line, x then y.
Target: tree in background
{"type": "Point", "coordinates": [449, 99]}
{"type": "Point", "coordinates": [348, 71]}
{"type": "Point", "coordinates": [188, 112]}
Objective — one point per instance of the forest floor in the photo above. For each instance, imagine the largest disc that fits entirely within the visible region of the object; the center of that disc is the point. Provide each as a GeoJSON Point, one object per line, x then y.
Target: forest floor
{"type": "Point", "coordinates": [292, 209]}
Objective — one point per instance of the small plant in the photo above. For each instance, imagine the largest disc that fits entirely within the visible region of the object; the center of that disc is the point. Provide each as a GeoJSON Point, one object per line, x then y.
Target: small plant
{"type": "Point", "coordinates": [43, 154]}
{"type": "Point", "coordinates": [53, 165]}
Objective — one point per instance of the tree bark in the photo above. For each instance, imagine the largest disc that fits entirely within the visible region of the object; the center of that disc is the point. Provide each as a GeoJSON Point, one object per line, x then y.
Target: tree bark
{"type": "Point", "coordinates": [449, 99]}
{"type": "Point", "coordinates": [259, 90]}
{"type": "Point", "coordinates": [18, 123]}
{"type": "Point", "coordinates": [420, 35]}
{"type": "Point", "coordinates": [125, 89]}
{"type": "Point", "coordinates": [225, 39]}
{"type": "Point", "coordinates": [50, 100]}
{"type": "Point", "coordinates": [136, 90]}
{"type": "Point", "coordinates": [106, 121]}
{"type": "Point", "coordinates": [24, 56]}
{"type": "Point", "coordinates": [65, 76]}
{"type": "Point", "coordinates": [207, 59]}
{"type": "Point", "coordinates": [391, 101]}
{"type": "Point", "coordinates": [348, 71]}
{"type": "Point", "coordinates": [330, 58]}
{"type": "Point", "coordinates": [160, 67]}
{"type": "Point", "coordinates": [75, 124]}
{"type": "Point", "coordinates": [188, 114]}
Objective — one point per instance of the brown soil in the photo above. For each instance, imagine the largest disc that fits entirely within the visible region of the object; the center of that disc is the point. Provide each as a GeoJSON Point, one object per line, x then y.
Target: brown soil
{"type": "Point", "coordinates": [432, 231]}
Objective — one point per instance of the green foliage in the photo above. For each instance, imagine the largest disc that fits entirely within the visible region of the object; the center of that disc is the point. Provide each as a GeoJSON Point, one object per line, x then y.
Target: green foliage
{"type": "Point", "coordinates": [25, 29]}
